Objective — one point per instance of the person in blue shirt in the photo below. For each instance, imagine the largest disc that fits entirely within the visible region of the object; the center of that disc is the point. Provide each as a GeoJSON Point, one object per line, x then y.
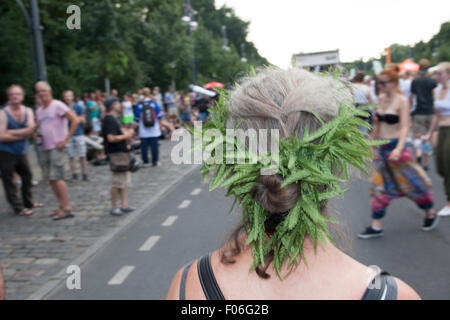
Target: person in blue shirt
{"type": "Point", "coordinates": [170, 101]}
{"type": "Point", "coordinates": [17, 125]}
{"type": "Point", "coordinates": [76, 147]}
{"type": "Point", "coordinates": [149, 135]}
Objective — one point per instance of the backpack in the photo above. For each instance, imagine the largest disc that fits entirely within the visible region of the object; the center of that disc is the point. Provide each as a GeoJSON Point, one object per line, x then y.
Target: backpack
{"type": "Point", "coordinates": [148, 114]}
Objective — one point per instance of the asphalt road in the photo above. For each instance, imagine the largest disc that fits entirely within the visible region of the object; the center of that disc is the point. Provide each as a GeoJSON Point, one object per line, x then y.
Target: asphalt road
{"type": "Point", "coordinates": [190, 221]}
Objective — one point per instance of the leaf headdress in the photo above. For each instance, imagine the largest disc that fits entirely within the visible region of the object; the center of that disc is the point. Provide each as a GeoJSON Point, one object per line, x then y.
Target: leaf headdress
{"type": "Point", "coordinates": [317, 163]}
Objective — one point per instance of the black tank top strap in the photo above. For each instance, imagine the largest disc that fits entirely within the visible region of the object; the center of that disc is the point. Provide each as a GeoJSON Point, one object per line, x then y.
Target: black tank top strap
{"type": "Point", "coordinates": [382, 287]}
{"type": "Point", "coordinates": [208, 280]}
{"type": "Point", "coordinates": [182, 294]}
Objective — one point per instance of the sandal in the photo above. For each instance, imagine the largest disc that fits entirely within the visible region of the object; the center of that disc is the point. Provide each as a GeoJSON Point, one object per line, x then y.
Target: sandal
{"type": "Point", "coordinates": [55, 212]}
{"type": "Point", "coordinates": [26, 212]}
{"type": "Point", "coordinates": [67, 214]}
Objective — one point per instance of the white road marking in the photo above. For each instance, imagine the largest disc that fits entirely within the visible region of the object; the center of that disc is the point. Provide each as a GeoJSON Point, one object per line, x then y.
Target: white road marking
{"type": "Point", "coordinates": [184, 204]}
{"type": "Point", "coordinates": [148, 245]}
{"type": "Point", "coordinates": [196, 191]}
{"type": "Point", "coordinates": [169, 221]}
{"type": "Point", "coordinates": [121, 275]}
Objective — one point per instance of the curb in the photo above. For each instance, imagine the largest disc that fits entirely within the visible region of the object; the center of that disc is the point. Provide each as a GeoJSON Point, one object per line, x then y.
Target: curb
{"type": "Point", "coordinates": [57, 280]}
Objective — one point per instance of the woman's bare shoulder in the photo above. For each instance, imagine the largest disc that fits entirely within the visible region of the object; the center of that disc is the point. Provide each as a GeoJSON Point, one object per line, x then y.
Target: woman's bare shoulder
{"type": "Point", "coordinates": [402, 98]}
{"type": "Point", "coordinates": [174, 289]}
{"type": "Point", "coordinates": [193, 289]}
{"type": "Point", "coordinates": [405, 292]}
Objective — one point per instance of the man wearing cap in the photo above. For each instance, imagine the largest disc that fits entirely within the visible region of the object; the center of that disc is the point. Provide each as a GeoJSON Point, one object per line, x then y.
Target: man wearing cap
{"type": "Point", "coordinates": [115, 140]}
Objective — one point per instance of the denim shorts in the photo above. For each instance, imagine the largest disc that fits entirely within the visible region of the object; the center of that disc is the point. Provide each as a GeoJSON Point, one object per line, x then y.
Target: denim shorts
{"type": "Point", "coordinates": [76, 148]}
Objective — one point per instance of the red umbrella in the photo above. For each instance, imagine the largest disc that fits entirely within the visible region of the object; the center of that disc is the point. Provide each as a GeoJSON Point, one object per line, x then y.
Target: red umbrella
{"type": "Point", "coordinates": [214, 85]}
{"type": "Point", "coordinates": [409, 65]}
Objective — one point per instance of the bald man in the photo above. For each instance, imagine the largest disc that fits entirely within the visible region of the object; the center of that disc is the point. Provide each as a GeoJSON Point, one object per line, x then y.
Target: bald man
{"type": "Point", "coordinates": [53, 117]}
{"type": "Point", "coordinates": [16, 127]}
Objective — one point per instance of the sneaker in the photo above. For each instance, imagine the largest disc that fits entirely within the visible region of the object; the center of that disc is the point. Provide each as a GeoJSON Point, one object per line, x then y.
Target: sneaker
{"type": "Point", "coordinates": [127, 209]}
{"type": "Point", "coordinates": [145, 165]}
{"type": "Point", "coordinates": [444, 212]}
{"type": "Point", "coordinates": [116, 212]}
{"type": "Point", "coordinates": [370, 233]}
{"type": "Point", "coordinates": [74, 176]}
{"type": "Point", "coordinates": [158, 164]}
{"type": "Point", "coordinates": [430, 223]}
{"type": "Point", "coordinates": [85, 178]}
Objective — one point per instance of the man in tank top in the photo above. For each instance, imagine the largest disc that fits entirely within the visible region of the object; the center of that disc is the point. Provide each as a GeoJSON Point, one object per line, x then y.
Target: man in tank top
{"type": "Point", "coordinates": [16, 127]}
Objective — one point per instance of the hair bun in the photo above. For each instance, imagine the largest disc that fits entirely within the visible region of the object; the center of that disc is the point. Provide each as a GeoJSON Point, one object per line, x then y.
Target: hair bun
{"type": "Point", "coordinates": [394, 67]}
{"type": "Point", "coordinates": [272, 197]}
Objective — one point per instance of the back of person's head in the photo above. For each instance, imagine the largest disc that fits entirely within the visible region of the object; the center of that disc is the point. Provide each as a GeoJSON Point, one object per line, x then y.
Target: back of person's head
{"type": "Point", "coordinates": [146, 92]}
{"type": "Point", "coordinates": [359, 77]}
{"type": "Point", "coordinates": [424, 64]}
{"type": "Point", "coordinates": [288, 101]}
{"type": "Point", "coordinates": [285, 100]}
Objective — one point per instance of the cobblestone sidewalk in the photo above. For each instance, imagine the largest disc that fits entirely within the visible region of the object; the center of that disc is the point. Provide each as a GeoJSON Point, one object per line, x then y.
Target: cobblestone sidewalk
{"type": "Point", "coordinates": [34, 249]}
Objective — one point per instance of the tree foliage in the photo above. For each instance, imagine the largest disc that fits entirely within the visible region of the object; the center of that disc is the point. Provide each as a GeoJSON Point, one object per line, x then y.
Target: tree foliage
{"type": "Point", "coordinates": [437, 49]}
{"type": "Point", "coordinates": [134, 43]}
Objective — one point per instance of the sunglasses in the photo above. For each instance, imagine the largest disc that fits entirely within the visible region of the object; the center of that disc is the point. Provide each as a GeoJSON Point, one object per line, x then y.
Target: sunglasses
{"type": "Point", "coordinates": [382, 83]}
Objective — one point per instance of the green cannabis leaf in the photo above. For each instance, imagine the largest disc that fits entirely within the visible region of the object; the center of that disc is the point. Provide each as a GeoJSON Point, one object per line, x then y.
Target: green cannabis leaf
{"type": "Point", "coordinates": [317, 163]}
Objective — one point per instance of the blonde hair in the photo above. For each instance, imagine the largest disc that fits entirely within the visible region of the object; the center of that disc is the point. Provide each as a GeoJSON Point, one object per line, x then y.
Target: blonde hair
{"type": "Point", "coordinates": [445, 66]}
{"type": "Point", "coordinates": [45, 83]}
{"type": "Point", "coordinates": [286, 100]}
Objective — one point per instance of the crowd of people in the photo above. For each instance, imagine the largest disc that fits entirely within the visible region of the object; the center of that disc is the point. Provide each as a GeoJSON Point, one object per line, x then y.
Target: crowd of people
{"type": "Point", "coordinates": [411, 111]}
{"type": "Point", "coordinates": [410, 107]}
{"type": "Point", "coordinates": [95, 127]}
{"type": "Point", "coordinates": [92, 127]}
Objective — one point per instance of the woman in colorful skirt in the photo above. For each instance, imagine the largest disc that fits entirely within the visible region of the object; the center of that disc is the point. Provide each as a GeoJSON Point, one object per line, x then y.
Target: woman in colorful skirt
{"type": "Point", "coordinates": [442, 120]}
{"type": "Point", "coordinates": [396, 172]}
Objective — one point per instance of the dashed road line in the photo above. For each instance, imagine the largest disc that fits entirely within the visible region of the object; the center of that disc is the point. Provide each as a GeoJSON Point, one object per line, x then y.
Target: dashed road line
{"type": "Point", "coordinates": [169, 221]}
{"type": "Point", "coordinates": [196, 191]}
{"type": "Point", "coordinates": [184, 204]}
{"type": "Point", "coordinates": [121, 275]}
{"type": "Point", "coordinates": [148, 245]}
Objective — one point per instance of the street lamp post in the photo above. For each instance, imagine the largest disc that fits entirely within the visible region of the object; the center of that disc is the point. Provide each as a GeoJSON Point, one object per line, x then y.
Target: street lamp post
{"type": "Point", "coordinates": [226, 47]}
{"type": "Point", "coordinates": [32, 19]}
{"type": "Point", "coordinates": [188, 18]}
{"type": "Point", "coordinates": [172, 66]}
{"type": "Point", "coordinates": [225, 39]}
{"type": "Point", "coordinates": [243, 58]}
